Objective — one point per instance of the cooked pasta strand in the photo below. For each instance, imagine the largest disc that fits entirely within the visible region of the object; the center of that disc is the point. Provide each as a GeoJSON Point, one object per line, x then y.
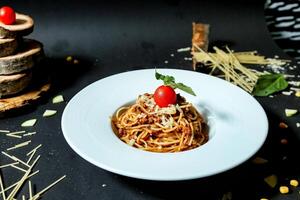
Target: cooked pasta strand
{"type": "Point", "coordinates": [146, 126]}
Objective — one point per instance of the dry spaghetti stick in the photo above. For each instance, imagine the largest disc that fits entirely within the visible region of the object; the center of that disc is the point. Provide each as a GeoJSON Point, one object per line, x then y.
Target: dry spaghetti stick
{"type": "Point", "coordinates": [8, 165]}
{"type": "Point", "coordinates": [20, 183]}
{"type": "Point", "coordinates": [16, 132]}
{"type": "Point", "coordinates": [32, 152]}
{"type": "Point", "coordinates": [34, 149]}
{"type": "Point", "coordinates": [2, 188]}
{"type": "Point", "coordinates": [4, 131]}
{"type": "Point", "coordinates": [29, 134]}
{"type": "Point", "coordinates": [19, 168]}
{"type": "Point", "coordinates": [12, 185]}
{"type": "Point", "coordinates": [47, 188]}
{"type": "Point", "coordinates": [19, 145]}
{"type": "Point", "coordinates": [15, 136]}
{"type": "Point", "coordinates": [31, 156]}
{"type": "Point", "coordinates": [23, 197]}
{"type": "Point", "coordinates": [30, 189]}
{"type": "Point", "coordinates": [15, 159]}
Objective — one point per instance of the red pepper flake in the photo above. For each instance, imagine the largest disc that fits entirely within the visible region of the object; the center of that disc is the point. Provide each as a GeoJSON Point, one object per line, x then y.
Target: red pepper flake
{"type": "Point", "coordinates": [283, 125]}
{"type": "Point", "coordinates": [284, 141]}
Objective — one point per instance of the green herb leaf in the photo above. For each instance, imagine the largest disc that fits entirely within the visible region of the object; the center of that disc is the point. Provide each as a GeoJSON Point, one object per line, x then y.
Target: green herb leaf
{"type": "Point", "coordinates": [185, 88]}
{"type": "Point", "coordinates": [170, 81]}
{"type": "Point", "coordinates": [269, 84]}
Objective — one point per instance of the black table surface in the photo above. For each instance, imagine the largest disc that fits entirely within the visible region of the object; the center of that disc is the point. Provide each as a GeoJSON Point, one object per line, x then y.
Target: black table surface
{"type": "Point", "coordinates": [117, 36]}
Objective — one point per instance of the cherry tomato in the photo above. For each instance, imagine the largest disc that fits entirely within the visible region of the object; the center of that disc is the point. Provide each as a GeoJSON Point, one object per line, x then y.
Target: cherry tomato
{"type": "Point", "coordinates": [164, 96]}
{"type": "Point", "coordinates": [7, 15]}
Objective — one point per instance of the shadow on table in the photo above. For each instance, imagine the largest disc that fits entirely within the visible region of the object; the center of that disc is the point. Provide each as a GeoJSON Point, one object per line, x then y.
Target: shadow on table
{"type": "Point", "coordinates": [243, 182]}
{"type": "Point", "coordinates": [63, 74]}
{"type": "Point", "coordinates": [60, 73]}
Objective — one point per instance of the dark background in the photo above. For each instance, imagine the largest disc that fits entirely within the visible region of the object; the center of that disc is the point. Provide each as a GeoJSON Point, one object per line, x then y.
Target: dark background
{"type": "Point", "coordinates": [117, 36]}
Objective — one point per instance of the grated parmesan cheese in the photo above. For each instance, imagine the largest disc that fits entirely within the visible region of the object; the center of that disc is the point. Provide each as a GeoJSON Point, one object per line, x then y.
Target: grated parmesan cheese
{"type": "Point", "coordinates": [168, 123]}
{"type": "Point", "coordinates": [183, 49]}
{"type": "Point", "coordinates": [294, 83]}
{"type": "Point", "coordinates": [166, 110]}
{"type": "Point", "coordinates": [287, 93]}
{"type": "Point", "coordinates": [131, 142]}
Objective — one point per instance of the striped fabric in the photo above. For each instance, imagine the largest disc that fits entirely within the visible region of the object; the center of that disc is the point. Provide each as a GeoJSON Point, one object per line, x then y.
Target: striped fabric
{"type": "Point", "coordinates": [283, 21]}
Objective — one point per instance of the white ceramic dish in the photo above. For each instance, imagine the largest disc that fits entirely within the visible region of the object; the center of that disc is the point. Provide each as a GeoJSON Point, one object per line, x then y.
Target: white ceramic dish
{"type": "Point", "coordinates": [238, 126]}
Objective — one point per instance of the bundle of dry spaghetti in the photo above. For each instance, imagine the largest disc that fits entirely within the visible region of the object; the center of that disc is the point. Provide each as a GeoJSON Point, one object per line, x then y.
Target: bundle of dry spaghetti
{"type": "Point", "coordinates": [170, 129]}
{"type": "Point", "coordinates": [230, 64]}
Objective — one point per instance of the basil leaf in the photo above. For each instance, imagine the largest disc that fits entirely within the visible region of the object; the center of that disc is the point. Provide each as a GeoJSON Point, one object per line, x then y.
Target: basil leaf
{"type": "Point", "coordinates": [170, 81]}
{"type": "Point", "coordinates": [165, 78]}
{"type": "Point", "coordinates": [159, 76]}
{"type": "Point", "coordinates": [269, 84]}
{"type": "Point", "coordinates": [185, 88]}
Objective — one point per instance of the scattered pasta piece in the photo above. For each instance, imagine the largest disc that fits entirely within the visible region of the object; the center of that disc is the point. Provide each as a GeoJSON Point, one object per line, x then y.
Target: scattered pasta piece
{"type": "Point", "coordinates": [36, 196]}
{"type": "Point", "coordinates": [2, 188]}
{"type": "Point", "coordinates": [49, 113]}
{"type": "Point", "coordinates": [259, 160]}
{"type": "Point", "coordinates": [271, 180]}
{"type": "Point", "coordinates": [8, 165]}
{"type": "Point", "coordinates": [14, 184]}
{"type": "Point", "coordinates": [69, 58]}
{"type": "Point", "coordinates": [294, 183]}
{"type": "Point", "coordinates": [18, 168]}
{"type": "Point", "coordinates": [284, 189]}
{"type": "Point", "coordinates": [290, 112]}
{"type": "Point", "coordinates": [15, 134]}
{"type": "Point", "coordinates": [29, 123]}
{"type": "Point", "coordinates": [30, 189]}
{"type": "Point", "coordinates": [22, 180]}
{"type": "Point", "coordinates": [32, 153]}
{"type": "Point", "coordinates": [15, 158]}
{"type": "Point", "coordinates": [19, 145]}
{"type": "Point", "coordinates": [58, 99]}
{"type": "Point", "coordinates": [34, 150]}
{"type": "Point", "coordinates": [29, 134]}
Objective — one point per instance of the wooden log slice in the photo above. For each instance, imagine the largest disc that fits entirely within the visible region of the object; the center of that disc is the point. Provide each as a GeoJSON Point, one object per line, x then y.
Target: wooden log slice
{"type": "Point", "coordinates": [27, 56]}
{"type": "Point", "coordinates": [8, 46]}
{"type": "Point", "coordinates": [23, 26]}
{"type": "Point", "coordinates": [24, 99]}
{"type": "Point", "coordinates": [13, 84]}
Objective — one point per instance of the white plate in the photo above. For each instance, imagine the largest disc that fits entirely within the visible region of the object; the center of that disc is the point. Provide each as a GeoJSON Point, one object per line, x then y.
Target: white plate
{"type": "Point", "coordinates": [238, 126]}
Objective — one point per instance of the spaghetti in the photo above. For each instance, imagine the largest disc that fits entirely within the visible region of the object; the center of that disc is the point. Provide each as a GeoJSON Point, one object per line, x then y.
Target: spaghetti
{"type": "Point", "coordinates": [146, 126]}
